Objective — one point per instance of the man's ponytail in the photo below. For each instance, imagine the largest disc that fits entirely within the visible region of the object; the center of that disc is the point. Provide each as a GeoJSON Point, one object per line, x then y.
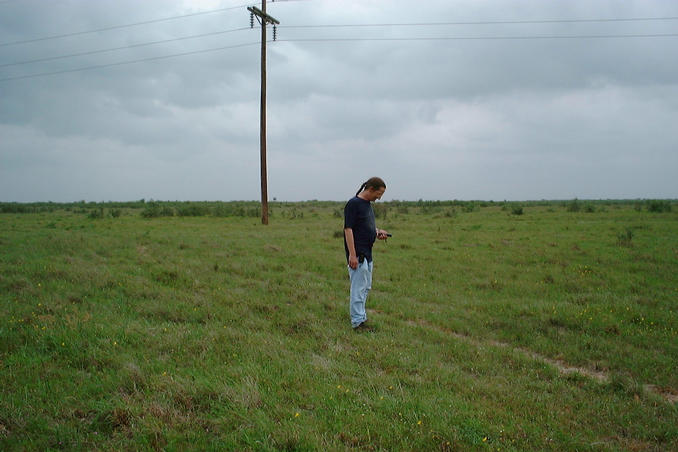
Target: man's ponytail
{"type": "Point", "coordinates": [375, 183]}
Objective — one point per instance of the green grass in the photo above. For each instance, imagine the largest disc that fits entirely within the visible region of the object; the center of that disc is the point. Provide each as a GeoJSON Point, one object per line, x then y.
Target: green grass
{"type": "Point", "coordinates": [216, 333]}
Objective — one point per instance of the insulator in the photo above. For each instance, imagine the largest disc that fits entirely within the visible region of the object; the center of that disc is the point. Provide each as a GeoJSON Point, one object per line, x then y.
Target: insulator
{"type": "Point", "coordinates": [251, 20]}
{"type": "Point", "coordinates": [275, 32]}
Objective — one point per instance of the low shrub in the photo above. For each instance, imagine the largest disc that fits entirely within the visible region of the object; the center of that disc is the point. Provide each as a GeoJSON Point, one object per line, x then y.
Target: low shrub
{"type": "Point", "coordinates": [380, 211]}
{"type": "Point", "coordinates": [193, 210]}
{"type": "Point", "coordinates": [658, 206]}
{"type": "Point", "coordinates": [96, 213]}
{"type": "Point", "coordinates": [574, 206]}
{"type": "Point", "coordinates": [153, 210]}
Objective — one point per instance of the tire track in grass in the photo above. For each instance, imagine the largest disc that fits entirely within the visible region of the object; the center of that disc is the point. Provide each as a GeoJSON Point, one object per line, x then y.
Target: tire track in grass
{"type": "Point", "coordinates": [668, 394]}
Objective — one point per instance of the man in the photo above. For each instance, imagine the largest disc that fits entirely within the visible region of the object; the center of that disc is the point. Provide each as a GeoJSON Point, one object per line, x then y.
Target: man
{"type": "Point", "coordinates": [360, 232]}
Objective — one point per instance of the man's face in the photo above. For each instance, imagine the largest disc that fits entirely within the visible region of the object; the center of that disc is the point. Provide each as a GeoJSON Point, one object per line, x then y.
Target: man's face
{"type": "Point", "coordinates": [373, 195]}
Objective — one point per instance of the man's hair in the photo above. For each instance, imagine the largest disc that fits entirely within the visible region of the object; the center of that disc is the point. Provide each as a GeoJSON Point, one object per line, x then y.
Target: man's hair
{"type": "Point", "coordinates": [374, 183]}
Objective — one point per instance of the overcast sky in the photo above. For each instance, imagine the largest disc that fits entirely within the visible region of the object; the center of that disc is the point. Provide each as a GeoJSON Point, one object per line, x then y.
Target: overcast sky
{"type": "Point", "coordinates": [508, 100]}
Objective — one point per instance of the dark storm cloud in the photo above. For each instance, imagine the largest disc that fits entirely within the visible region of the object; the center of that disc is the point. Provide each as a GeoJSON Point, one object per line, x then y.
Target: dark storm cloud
{"type": "Point", "coordinates": [438, 119]}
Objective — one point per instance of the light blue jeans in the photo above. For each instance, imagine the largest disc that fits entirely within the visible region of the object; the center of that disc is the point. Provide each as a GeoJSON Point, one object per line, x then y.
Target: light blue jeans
{"type": "Point", "coordinates": [361, 283]}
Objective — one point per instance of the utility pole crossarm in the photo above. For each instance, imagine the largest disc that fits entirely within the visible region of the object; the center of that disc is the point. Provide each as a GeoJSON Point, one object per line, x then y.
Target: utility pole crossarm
{"type": "Point", "coordinates": [262, 15]}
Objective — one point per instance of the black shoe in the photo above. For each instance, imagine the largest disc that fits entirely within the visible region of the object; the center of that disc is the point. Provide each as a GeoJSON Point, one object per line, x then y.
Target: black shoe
{"type": "Point", "coordinates": [364, 327]}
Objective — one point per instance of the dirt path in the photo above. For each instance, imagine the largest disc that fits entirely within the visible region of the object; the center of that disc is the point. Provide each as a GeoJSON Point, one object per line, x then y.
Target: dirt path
{"type": "Point", "coordinates": [670, 395]}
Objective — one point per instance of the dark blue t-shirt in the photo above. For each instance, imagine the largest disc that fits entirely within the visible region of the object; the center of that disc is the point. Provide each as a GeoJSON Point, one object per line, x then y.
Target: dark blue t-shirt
{"type": "Point", "coordinates": [359, 216]}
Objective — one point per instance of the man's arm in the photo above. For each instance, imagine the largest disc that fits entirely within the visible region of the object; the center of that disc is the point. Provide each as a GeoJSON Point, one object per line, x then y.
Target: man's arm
{"type": "Point", "coordinates": [350, 243]}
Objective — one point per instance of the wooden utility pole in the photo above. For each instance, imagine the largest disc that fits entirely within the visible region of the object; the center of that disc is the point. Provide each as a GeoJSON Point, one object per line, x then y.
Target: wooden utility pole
{"type": "Point", "coordinates": [263, 19]}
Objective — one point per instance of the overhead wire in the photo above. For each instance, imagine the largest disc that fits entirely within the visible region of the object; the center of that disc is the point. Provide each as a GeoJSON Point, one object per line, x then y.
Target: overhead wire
{"type": "Point", "coordinates": [485, 38]}
{"type": "Point", "coordinates": [491, 22]}
{"type": "Point", "coordinates": [321, 39]}
{"type": "Point", "coordinates": [122, 63]}
{"type": "Point", "coordinates": [213, 11]}
{"type": "Point", "coordinates": [134, 24]}
{"type": "Point", "coordinates": [117, 27]}
{"type": "Point", "coordinates": [131, 46]}
{"type": "Point", "coordinates": [417, 24]}
{"type": "Point", "coordinates": [441, 38]}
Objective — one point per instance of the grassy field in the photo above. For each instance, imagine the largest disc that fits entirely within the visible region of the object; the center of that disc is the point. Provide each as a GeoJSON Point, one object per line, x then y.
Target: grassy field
{"type": "Point", "coordinates": [541, 326]}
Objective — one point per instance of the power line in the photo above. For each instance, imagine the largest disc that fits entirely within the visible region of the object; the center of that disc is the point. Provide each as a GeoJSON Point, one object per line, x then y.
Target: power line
{"type": "Point", "coordinates": [414, 24]}
{"type": "Point", "coordinates": [441, 38]}
{"type": "Point", "coordinates": [486, 38]}
{"type": "Point", "coordinates": [498, 22]}
{"type": "Point", "coordinates": [131, 46]}
{"type": "Point", "coordinates": [495, 22]}
{"type": "Point", "coordinates": [117, 27]}
{"type": "Point", "coordinates": [122, 63]}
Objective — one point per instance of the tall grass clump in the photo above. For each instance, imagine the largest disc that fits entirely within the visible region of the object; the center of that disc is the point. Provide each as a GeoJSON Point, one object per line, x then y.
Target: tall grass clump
{"type": "Point", "coordinates": [658, 206]}
{"type": "Point", "coordinates": [625, 237]}
{"type": "Point", "coordinates": [573, 206]}
{"type": "Point", "coordinates": [96, 213]}
{"type": "Point", "coordinates": [223, 210]}
{"type": "Point", "coordinates": [193, 210]}
{"type": "Point", "coordinates": [156, 210]}
{"type": "Point", "coordinates": [380, 210]}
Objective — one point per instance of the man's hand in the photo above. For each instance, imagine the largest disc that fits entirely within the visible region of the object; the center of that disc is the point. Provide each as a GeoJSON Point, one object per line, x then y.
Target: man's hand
{"type": "Point", "coordinates": [382, 234]}
{"type": "Point", "coordinates": [353, 262]}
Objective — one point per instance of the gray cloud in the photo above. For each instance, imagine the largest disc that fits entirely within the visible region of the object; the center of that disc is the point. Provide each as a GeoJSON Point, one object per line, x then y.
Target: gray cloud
{"type": "Point", "coordinates": [438, 119]}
